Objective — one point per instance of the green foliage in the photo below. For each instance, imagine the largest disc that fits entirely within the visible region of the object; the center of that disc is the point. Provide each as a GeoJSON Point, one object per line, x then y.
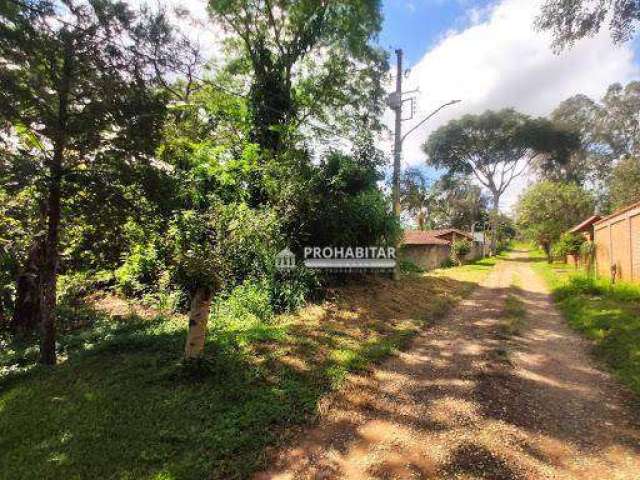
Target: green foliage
{"type": "Point", "coordinates": [141, 270]}
{"type": "Point", "coordinates": [344, 205]}
{"type": "Point", "coordinates": [460, 249]}
{"type": "Point", "coordinates": [497, 146]}
{"type": "Point", "coordinates": [290, 290]}
{"type": "Point", "coordinates": [548, 209]}
{"type": "Point", "coordinates": [624, 185]}
{"type": "Point", "coordinates": [222, 247]}
{"type": "Point", "coordinates": [448, 263]}
{"type": "Point", "coordinates": [572, 20]}
{"type": "Point", "coordinates": [307, 59]}
{"type": "Point", "coordinates": [569, 244]}
{"type": "Point", "coordinates": [407, 266]}
{"type": "Point", "coordinates": [257, 379]}
{"type": "Point", "coordinates": [250, 299]}
{"type": "Point", "coordinates": [608, 153]}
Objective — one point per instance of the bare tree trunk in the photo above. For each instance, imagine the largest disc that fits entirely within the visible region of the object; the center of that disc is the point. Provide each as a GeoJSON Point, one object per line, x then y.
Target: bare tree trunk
{"type": "Point", "coordinates": [49, 271]}
{"type": "Point", "coordinates": [494, 222]}
{"type": "Point", "coordinates": [198, 316]}
{"type": "Point", "coordinates": [26, 313]}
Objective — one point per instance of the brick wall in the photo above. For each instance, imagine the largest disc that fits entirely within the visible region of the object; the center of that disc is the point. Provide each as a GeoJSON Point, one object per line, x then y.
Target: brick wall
{"type": "Point", "coordinates": [617, 240]}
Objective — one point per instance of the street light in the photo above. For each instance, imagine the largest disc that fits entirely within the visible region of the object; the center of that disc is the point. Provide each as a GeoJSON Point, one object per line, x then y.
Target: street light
{"type": "Point", "coordinates": [395, 102]}
{"type": "Point", "coordinates": [452, 102]}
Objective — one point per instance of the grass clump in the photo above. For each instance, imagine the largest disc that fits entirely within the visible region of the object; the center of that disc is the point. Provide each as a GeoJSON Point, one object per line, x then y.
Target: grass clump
{"type": "Point", "coordinates": [607, 314]}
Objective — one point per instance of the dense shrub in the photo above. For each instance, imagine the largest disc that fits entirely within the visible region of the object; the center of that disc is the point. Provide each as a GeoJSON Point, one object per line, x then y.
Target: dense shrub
{"type": "Point", "coordinates": [250, 299]}
{"type": "Point", "coordinates": [407, 266]}
{"type": "Point", "coordinates": [568, 244]}
{"type": "Point", "coordinates": [141, 270]}
{"type": "Point", "coordinates": [290, 290]}
{"type": "Point", "coordinates": [460, 249]}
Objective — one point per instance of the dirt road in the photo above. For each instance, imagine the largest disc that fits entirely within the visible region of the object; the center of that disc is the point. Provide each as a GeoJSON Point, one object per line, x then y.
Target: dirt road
{"type": "Point", "coordinates": [466, 402]}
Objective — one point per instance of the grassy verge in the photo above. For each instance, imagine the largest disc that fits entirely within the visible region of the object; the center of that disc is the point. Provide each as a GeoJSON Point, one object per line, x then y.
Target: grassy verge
{"type": "Point", "coordinates": [608, 315]}
{"type": "Point", "coordinates": [122, 406]}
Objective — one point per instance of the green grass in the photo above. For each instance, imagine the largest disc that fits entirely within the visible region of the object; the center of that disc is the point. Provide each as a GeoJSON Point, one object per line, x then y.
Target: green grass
{"type": "Point", "coordinates": [608, 315]}
{"type": "Point", "coordinates": [121, 405]}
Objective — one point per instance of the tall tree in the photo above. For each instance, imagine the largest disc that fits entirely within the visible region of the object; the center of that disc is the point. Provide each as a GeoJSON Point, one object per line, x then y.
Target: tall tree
{"type": "Point", "coordinates": [548, 209]}
{"type": "Point", "coordinates": [459, 203]}
{"type": "Point", "coordinates": [496, 148]}
{"type": "Point", "coordinates": [609, 132]}
{"type": "Point", "coordinates": [572, 20]}
{"type": "Point", "coordinates": [624, 183]}
{"type": "Point", "coordinates": [307, 61]}
{"type": "Point", "coordinates": [581, 115]}
{"type": "Point", "coordinates": [76, 87]}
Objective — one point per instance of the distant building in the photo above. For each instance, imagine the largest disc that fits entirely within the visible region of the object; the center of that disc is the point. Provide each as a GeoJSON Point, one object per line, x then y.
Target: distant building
{"type": "Point", "coordinates": [429, 249]}
{"type": "Point", "coordinates": [586, 228]}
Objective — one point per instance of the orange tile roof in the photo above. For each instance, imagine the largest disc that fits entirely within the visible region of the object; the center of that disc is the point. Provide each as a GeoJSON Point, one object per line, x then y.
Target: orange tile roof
{"type": "Point", "coordinates": [444, 231]}
{"type": "Point", "coordinates": [421, 237]}
{"type": "Point", "coordinates": [587, 223]}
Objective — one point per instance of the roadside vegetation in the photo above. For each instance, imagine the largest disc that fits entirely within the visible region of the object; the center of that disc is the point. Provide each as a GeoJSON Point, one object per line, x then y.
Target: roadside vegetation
{"type": "Point", "coordinates": [123, 405]}
{"type": "Point", "coordinates": [609, 315]}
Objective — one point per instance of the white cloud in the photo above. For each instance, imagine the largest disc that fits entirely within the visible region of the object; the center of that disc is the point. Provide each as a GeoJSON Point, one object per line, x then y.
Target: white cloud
{"type": "Point", "coordinates": [192, 20]}
{"type": "Point", "coordinates": [501, 61]}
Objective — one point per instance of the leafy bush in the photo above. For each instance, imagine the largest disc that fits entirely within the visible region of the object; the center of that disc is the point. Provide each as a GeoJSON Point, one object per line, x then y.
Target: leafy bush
{"type": "Point", "coordinates": [407, 266]}
{"type": "Point", "coordinates": [568, 244]}
{"type": "Point", "coordinates": [460, 249]}
{"type": "Point", "coordinates": [141, 270]}
{"type": "Point", "coordinates": [290, 290]}
{"type": "Point", "coordinates": [250, 299]}
{"type": "Point", "coordinates": [76, 285]}
{"type": "Point", "coordinates": [72, 311]}
{"type": "Point", "coordinates": [448, 263]}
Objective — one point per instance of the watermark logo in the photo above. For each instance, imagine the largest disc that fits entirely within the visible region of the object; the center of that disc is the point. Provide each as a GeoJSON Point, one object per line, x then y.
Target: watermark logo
{"type": "Point", "coordinates": [341, 258]}
{"type": "Point", "coordinates": [286, 260]}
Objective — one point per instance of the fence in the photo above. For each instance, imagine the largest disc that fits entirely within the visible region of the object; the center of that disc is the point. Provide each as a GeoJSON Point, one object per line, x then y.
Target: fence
{"type": "Point", "coordinates": [617, 240]}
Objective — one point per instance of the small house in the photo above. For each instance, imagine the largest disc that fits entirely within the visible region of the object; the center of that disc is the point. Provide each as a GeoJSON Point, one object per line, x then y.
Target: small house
{"type": "Point", "coordinates": [429, 249]}
{"type": "Point", "coordinates": [586, 228]}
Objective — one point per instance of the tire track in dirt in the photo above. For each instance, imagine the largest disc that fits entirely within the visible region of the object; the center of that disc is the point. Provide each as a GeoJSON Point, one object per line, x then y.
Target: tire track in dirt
{"type": "Point", "coordinates": [450, 408]}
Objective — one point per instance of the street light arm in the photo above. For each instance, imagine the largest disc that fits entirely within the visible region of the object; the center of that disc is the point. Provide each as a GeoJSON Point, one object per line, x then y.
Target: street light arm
{"type": "Point", "coordinates": [452, 102]}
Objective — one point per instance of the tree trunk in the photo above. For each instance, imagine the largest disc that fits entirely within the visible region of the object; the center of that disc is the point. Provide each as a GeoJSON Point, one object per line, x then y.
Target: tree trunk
{"type": "Point", "coordinates": [546, 246]}
{"type": "Point", "coordinates": [198, 316]}
{"type": "Point", "coordinates": [494, 222]}
{"type": "Point", "coordinates": [26, 313]}
{"type": "Point", "coordinates": [49, 271]}
{"type": "Point", "coordinates": [422, 221]}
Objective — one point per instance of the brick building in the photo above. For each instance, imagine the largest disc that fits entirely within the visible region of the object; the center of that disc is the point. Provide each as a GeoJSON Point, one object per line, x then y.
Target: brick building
{"type": "Point", "coordinates": [617, 242]}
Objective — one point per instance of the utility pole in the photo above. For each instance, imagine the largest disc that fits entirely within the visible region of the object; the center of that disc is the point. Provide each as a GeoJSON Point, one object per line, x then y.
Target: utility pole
{"type": "Point", "coordinates": [396, 105]}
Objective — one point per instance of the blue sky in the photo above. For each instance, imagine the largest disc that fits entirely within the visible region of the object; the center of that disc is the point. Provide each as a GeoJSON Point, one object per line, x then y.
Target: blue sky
{"type": "Point", "coordinates": [487, 53]}
{"type": "Point", "coordinates": [416, 25]}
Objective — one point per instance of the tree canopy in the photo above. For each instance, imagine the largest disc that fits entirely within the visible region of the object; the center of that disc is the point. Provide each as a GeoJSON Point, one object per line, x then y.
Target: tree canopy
{"type": "Point", "coordinates": [497, 147]}
{"type": "Point", "coordinates": [572, 20]}
{"type": "Point", "coordinates": [309, 62]}
{"type": "Point", "coordinates": [548, 209]}
{"type": "Point", "coordinates": [608, 131]}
